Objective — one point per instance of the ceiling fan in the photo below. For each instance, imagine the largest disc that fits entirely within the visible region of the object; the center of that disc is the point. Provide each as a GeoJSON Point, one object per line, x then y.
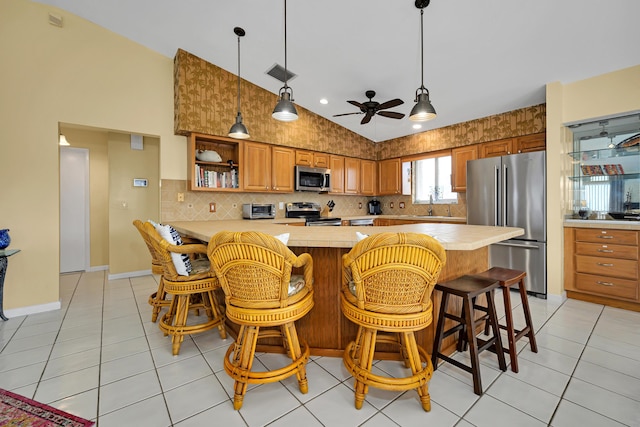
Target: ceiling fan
{"type": "Point", "coordinates": [370, 108]}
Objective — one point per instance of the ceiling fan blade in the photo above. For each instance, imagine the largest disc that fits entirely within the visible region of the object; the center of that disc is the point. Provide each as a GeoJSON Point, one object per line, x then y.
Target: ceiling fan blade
{"type": "Point", "coordinates": [390, 104]}
{"type": "Point", "coordinates": [391, 114]}
{"type": "Point", "coordinates": [366, 119]}
{"type": "Point", "coordinates": [347, 114]}
{"type": "Point", "coordinates": [357, 104]}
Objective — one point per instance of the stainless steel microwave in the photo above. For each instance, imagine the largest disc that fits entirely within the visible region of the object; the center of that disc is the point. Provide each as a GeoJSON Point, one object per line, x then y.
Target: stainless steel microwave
{"type": "Point", "coordinates": [312, 179]}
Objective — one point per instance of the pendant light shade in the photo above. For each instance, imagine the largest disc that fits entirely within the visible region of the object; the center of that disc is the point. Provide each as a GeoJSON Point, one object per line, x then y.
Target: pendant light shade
{"type": "Point", "coordinates": [423, 110]}
{"type": "Point", "coordinates": [239, 130]}
{"type": "Point", "coordinates": [285, 111]}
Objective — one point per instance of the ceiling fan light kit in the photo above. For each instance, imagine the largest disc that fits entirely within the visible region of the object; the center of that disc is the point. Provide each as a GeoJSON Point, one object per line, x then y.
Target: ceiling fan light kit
{"type": "Point", "coordinates": [239, 130]}
{"type": "Point", "coordinates": [423, 110]}
{"type": "Point", "coordinates": [285, 110]}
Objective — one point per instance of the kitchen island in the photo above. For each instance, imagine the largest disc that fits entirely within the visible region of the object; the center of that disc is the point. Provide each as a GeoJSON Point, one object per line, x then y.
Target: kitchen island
{"type": "Point", "coordinates": [325, 328]}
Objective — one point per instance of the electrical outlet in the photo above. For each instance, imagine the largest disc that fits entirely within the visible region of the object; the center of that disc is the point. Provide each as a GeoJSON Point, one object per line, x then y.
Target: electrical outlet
{"type": "Point", "coordinates": [181, 197]}
{"type": "Point", "coordinates": [212, 207]}
{"type": "Point", "coordinates": [401, 205]}
{"type": "Point", "coordinates": [360, 205]}
{"type": "Point", "coordinates": [391, 205]}
{"type": "Point", "coordinates": [281, 205]}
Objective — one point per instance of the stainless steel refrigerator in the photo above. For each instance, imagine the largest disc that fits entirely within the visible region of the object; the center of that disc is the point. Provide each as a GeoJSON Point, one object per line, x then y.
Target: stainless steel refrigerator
{"type": "Point", "coordinates": [510, 191]}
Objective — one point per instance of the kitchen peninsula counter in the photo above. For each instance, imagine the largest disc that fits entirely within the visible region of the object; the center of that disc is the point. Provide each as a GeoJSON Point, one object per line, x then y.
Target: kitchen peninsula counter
{"type": "Point", "coordinates": [325, 329]}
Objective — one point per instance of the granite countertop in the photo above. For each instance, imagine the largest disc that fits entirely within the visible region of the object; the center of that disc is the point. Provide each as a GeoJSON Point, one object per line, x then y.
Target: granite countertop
{"type": "Point", "coordinates": [460, 237]}
{"type": "Point", "coordinates": [423, 218]}
{"type": "Point", "coordinates": [600, 223]}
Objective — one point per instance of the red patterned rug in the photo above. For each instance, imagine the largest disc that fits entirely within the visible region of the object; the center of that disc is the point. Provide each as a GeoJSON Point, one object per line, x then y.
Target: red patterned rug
{"type": "Point", "coordinates": [18, 411]}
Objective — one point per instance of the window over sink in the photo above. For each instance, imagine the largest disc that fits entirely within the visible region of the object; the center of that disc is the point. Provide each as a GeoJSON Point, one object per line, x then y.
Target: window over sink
{"type": "Point", "coordinates": [432, 180]}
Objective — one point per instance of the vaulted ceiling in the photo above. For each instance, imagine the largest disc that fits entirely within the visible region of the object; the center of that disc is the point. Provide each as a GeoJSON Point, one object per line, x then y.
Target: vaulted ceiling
{"type": "Point", "coordinates": [480, 57]}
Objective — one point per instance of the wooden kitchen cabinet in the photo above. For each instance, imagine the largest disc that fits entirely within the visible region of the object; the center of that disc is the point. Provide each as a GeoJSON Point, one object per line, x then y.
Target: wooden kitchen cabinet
{"type": "Point", "coordinates": [312, 159]}
{"type": "Point", "coordinates": [214, 176]}
{"type": "Point", "coordinates": [351, 175]}
{"type": "Point", "coordinates": [501, 147]}
{"type": "Point", "coordinates": [601, 266]}
{"type": "Point", "coordinates": [336, 164]}
{"type": "Point", "coordinates": [459, 158]}
{"type": "Point", "coordinates": [368, 175]}
{"type": "Point", "coordinates": [269, 168]}
{"type": "Point", "coordinates": [389, 177]}
{"type": "Point", "coordinates": [529, 143]}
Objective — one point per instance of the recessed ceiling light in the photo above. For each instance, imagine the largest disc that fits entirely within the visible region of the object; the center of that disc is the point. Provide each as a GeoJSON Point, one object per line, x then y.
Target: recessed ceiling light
{"type": "Point", "coordinates": [417, 126]}
{"type": "Point", "coordinates": [324, 101]}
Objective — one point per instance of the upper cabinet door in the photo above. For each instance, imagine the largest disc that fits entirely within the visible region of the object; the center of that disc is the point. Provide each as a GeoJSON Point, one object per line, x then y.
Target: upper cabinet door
{"type": "Point", "coordinates": [304, 158]}
{"type": "Point", "coordinates": [337, 174]}
{"type": "Point", "coordinates": [529, 143]}
{"type": "Point", "coordinates": [459, 158]}
{"type": "Point", "coordinates": [351, 175]}
{"type": "Point", "coordinates": [389, 177]}
{"type": "Point", "coordinates": [368, 175]}
{"type": "Point", "coordinates": [282, 159]}
{"type": "Point", "coordinates": [501, 147]}
{"type": "Point", "coordinates": [257, 170]}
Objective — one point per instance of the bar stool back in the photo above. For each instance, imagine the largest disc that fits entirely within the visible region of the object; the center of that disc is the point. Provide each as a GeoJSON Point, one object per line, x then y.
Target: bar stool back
{"type": "Point", "coordinates": [386, 291]}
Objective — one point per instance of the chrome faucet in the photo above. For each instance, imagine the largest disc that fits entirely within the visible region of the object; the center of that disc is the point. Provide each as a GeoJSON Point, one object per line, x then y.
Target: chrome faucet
{"type": "Point", "coordinates": [430, 210]}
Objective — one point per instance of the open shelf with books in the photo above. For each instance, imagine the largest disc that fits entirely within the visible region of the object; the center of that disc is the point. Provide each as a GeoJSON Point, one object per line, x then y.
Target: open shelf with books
{"type": "Point", "coordinates": [214, 163]}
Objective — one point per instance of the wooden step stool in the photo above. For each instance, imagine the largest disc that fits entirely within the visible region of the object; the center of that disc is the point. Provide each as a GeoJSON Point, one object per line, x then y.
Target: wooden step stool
{"type": "Point", "coordinates": [468, 288]}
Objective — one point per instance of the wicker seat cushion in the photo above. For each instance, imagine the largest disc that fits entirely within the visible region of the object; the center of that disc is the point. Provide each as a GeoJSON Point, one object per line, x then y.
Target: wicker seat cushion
{"type": "Point", "coordinates": [199, 266]}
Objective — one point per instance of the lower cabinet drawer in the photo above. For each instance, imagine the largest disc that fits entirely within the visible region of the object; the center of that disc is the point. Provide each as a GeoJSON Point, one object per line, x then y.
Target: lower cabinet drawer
{"type": "Point", "coordinates": [609, 267]}
{"type": "Point", "coordinates": [607, 286]}
{"type": "Point", "coordinates": [609, 251]}
{"type": "Point", "coordinates": [620, 237]}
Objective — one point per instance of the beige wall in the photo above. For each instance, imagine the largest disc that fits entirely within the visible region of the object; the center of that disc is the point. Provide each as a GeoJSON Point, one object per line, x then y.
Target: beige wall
{"type": "Point", "coordinates": [77, 74]}
{"type": "Point", "coordinates": [127, 202]}
{"type": "Point", "coordinates": [607, 95]}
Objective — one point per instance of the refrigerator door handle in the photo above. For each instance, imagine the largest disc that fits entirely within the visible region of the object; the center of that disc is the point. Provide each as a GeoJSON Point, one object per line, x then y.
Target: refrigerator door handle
{"type": "Point", "coordinates": [516, 245]}
{"type": "Point", "coordinates": [496, 195]}
{"type": "Point", "coordinates": [505, 192]}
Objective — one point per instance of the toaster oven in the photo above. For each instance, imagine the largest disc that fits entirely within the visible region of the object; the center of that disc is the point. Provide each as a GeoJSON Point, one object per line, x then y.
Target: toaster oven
{"type": "Point", "coordinates": [258, 211]}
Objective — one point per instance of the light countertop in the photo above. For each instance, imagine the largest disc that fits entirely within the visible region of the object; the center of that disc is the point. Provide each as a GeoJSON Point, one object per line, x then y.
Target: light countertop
{"type": "Point", "coordinates": [589, 223]}
{"type": "Point", "coordinates": [459, 237]}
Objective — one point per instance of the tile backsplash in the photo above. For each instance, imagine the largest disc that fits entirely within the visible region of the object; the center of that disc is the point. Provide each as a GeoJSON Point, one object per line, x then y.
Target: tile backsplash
{"type": "Point", "coordinates": [195, 206]}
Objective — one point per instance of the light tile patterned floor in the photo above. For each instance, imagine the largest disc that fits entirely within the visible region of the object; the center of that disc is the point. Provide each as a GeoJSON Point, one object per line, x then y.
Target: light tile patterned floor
{"type": "Point", "coordinates": [100, 357]}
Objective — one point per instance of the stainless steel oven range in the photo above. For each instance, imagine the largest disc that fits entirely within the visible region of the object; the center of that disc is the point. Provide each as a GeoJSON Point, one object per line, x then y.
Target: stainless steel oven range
{"type": "Point", "coordinates": [311, 213]}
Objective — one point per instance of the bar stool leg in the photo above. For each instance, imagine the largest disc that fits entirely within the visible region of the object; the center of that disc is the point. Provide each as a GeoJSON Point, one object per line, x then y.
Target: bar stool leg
{"type": "Point", "coordinates": [467, 307]}
{"type": "Point", "coordinates": [493, 318]}
{"type": "Point", "coordinates": [437, 342]}
{"type": "Point", "coordinates": [527, 316]}
{"type": "Point", "coordinates": [511, 335]}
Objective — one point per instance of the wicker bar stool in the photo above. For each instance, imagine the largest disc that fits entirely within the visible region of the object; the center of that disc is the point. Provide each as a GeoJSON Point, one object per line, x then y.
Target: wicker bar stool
{"type": "Point", "coordinates": [508, 278]}
{"type": "Point", "coordinates": [201, 283]}
{"type": "Point", "coordinates": [468, 288]}
{"type": "Point", "coordinates": [158, 299]}
{"type": "Point", "coordinates": [386, 291]}
{"type": "Point", "coordinates": [254, 270]}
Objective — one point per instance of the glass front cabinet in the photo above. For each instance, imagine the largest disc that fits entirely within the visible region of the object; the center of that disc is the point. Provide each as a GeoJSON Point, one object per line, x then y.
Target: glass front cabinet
{"type": "Point", "coordinates": [606, 168]}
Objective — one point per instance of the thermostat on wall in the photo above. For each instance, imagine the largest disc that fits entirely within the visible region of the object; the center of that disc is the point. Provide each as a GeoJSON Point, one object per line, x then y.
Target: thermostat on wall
{"type": "Point", "coordinates": [140, 182]}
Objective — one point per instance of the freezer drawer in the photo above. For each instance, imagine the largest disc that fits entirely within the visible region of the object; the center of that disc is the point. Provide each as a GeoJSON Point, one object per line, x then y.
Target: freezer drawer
{"type": "Point", "coordinates": [530, 257]}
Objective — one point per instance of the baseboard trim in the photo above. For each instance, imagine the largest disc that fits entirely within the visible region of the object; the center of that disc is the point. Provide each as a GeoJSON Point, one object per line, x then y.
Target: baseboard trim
{"type": "Point", "coordinates": [129, 274]}
{"type": "Point", "coordinates": [33, 309]}
{"type": "Point", "coordinates": [98, 268]}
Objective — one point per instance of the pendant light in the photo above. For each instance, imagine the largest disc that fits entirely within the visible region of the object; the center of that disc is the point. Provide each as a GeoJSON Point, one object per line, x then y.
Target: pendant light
{"type": "Point", "coordinates": [423, 110]}
{"type": "Point", "coordinates": [285, 111]}
{"type": "Point", "coordinates": [239, 130]}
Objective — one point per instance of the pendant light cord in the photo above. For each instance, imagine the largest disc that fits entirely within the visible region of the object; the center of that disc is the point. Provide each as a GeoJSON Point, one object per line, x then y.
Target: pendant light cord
{"type": "Point", "coordinates": [285, 45]}
{"type": "Point", "coordinates": [238, 74]}
{"type": "Point", "coordinates": [422, 47]}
